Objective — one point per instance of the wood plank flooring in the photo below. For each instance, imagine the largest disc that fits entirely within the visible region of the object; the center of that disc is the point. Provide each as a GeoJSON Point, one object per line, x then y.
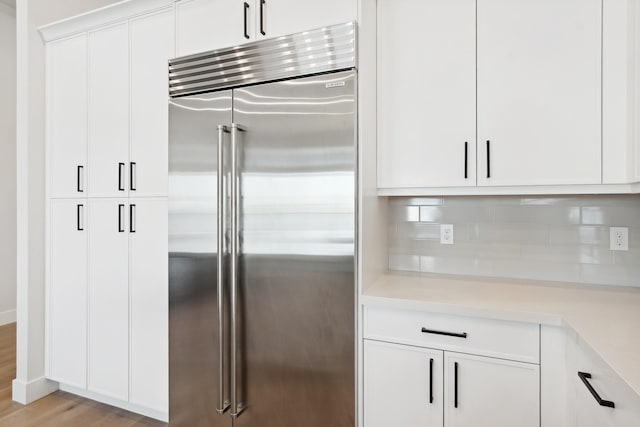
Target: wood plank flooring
{"type": "Point", "coordinates": [59, 409]}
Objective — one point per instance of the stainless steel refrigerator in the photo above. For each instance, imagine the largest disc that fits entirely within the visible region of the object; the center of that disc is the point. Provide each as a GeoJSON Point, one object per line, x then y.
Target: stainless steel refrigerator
{"type": "Point", "coordinates": [262, 212]}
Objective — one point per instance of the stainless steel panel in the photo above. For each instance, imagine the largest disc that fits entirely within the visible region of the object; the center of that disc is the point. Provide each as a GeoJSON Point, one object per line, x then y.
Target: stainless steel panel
{"type": "Point", "coordinates": [297, 161]}
{"type": "Point", "coordinates": [316, 51]}
{"type": "Point", "coordinates": [193, 322]}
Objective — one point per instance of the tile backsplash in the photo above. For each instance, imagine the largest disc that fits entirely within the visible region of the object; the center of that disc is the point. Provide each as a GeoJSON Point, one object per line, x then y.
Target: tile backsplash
{"type": "Point", "coordinates": [563, 238]}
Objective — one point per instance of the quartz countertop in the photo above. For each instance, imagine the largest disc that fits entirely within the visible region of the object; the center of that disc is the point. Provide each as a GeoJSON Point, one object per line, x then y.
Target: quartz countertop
{"type": "Point", "coordinates": [605, 317]}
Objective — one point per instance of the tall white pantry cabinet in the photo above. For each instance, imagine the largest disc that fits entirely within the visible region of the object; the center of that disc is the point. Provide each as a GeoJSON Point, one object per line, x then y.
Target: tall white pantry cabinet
{"type": "Point", "coordinates": [107, 144]}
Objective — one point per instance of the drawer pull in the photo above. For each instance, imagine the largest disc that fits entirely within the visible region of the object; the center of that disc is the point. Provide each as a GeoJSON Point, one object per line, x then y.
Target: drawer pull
{"type": "Point", "coordinates": [584, 376]}
{"type": "Point", "coordinates": [448, 334]}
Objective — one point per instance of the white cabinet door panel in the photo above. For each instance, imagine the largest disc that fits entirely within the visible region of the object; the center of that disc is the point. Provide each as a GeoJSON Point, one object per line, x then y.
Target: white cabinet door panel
{"type": "Point", "coordinates": [148, 277]}
{"type": "Point", "coordinates": [490, 392]}
{"type": "Point", "coordinates": [67, 116]}
{"type": "Point", "coordinates": [108, 298]}
{"type": "Point", "coordinates": [204, 25]}
{"type": "Point", "coordinates": [282, 17]}
{"type": "Point", "coordinates": [399, 382]}
{"type": "Point", "coordinates": [152, 45]}
{"type": "Point", "coordinates": [426, 93]}
{"type": "Point", "coordinates": [67, 293]}
{"type": "Point", "coordinates": [108, 111]}
{"type": "Point", "coordinates": [539, 91]}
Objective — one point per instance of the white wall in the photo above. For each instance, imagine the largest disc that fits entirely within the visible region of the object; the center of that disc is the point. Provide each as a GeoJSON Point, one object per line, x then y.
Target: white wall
{"type": "Point", "coordinates": [7, 164]}
{"type": "Point", "coordinates": [30, 384]}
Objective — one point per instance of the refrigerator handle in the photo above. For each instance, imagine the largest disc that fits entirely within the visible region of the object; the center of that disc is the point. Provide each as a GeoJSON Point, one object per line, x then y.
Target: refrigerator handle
{"type": "Point", "coordinates": [236, 408]}
{"type": "Point", "coordinates": [223, 404]}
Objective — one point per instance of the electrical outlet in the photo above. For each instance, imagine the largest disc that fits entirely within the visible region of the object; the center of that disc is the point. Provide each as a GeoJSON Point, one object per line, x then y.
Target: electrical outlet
{"type": "Point", "coordinates": [446, 234]}
{"type": "Point", "coordinates": [619, 237]}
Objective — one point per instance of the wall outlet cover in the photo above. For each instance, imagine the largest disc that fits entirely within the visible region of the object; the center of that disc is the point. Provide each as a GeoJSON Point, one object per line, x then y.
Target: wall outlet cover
{"type": "Point", "coordinates": [619, 237]}
{"type": "Point", "coordinates": [446, 234]}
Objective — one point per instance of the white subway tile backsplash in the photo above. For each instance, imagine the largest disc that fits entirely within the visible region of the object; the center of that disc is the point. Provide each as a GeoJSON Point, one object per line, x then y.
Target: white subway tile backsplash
{"type": "Point", "coordinates": [563, 238]}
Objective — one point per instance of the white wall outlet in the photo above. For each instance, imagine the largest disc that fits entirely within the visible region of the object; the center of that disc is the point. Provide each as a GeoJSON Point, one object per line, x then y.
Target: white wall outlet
{"type": "Point", "coordinates": [619, 238]}
{"type": "Point", "coordinates": [446, 234]}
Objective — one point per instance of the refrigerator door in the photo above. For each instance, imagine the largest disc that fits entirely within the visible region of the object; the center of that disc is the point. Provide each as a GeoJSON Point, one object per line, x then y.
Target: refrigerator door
{"type": "Point", "coordinates": [296, 280]}
{"type": "Point", "coordinates": [194, 353]}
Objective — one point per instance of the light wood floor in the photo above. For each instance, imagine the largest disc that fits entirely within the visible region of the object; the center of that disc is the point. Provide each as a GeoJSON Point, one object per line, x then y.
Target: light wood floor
{"type": "Point", "coordinates": [59, 409]}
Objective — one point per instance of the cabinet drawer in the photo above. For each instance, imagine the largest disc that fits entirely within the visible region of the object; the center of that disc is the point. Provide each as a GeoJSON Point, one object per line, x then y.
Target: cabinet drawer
{"type": "Point", "coordinates": [494, 338]}
{"type": "Point", "coordinates": [608, 386]}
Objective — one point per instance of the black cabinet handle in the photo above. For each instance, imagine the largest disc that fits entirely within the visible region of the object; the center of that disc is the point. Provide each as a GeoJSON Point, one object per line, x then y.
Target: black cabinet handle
{"type": "Point", "coordinates": [262, 3]}
{"type": "Point", "coordinates": [132, 176]}
{"type": "Point", "coordinates": [120, 176]}
{"type": "Point", "coordinates": [79, 179]}
{"type": "Point", "coordinates": [120, 215]}
{"type": "Point", "coordinates": [246, 17]}
{"type": "Point", "coordinates": [455, 384]}
{"type": "Point", "coordinates": [584, 376]}
{"type": "Point", "coordinates": [132, 218]}
{"type": "Point", "coordinates": [430, 380]}
{"type": "Point", "coordinates": [466, 160]}
{"type": "Point", "coordinates": [448, 334]}
{"type": "Point", "coordinates": [79, 218]}
{"type": "Point", "coordinates": [488, 159]}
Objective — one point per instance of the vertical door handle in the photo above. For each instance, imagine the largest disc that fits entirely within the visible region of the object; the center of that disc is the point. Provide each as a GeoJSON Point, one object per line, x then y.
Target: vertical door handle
{"type": "Point", "coordinates": [488, 159]}
{"type": "Point", "coordinates": [246, 17]}
{"type": "Point", "coordinates": [120, 218]}
{"type": "Point", "coordinates": [80, 217]}
{"type": "Point", "coordinates": [223, 404]}
{"type": "Point", "coordinates": [132, 218]}
{"type": "Point", "coordinates": [584, 377]}
{"type": "Point", "coordinates": [455, 384]}
{"type": "Point", "coordinates": [80, 179]}
{"type": "Point", "coordinates": [430, 380]}
{"type": "Point", "coordinates": [236, 408]}
{"type": "Point", "coordinates": [120, 176]}
{"type": "Point", "coordinates": [466, 160]}
{"type": "Point", "coordinates": [132, 176]}
{"type": "Point", "coordinates": [262, 3]}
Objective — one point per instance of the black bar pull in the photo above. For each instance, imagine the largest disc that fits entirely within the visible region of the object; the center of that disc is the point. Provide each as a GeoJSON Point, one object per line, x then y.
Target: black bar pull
{"type": "Point", "coordinates": [132, 218]}
{"type": "Point", "coordinates": [120, 176]}
{"type": "Point", "coordinates": [132, 176]}
{"type": "Point", "coordinates": [455, 384]}
{"type": "Point", "coordinates": [448, 334]}
{"type": "Point", "coordinates": [466, 160]}
{"type": "Point", "coordinates": [488, 159]}
{"type": "Point", "coordinates": [262, 3]}
{"type": "Point", "coordinates": [430, 380]}
{"type": "Point", "coordinates": [246, 17]}
{"type": "Point", "coordinates": [79, 218]}
{"type": "Point", "coordinates": [79, 179]}
{"type": "Point", "coordinates": [120, 215]}
{"type": "Point", "coordinates": [584, 376]}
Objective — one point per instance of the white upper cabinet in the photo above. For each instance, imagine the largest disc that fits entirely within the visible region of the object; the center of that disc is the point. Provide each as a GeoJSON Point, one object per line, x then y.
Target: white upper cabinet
{"type": "Point", "coordinates": [67, 116]}
{"type": "Point", "coordinates": [539, 92]}
{"type": "Point", "coordinates": [281, 17]}
{"type": "Point", "coordinates": [426, 93]}
{"type": "Point", "coordinates": [152, 45]}
{"type": "Point", "coordinates": [108, 111]}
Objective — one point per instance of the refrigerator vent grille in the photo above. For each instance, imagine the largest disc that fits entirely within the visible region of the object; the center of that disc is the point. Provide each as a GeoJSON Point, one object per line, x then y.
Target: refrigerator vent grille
{"type": "Point", "coordinates": [317, 51]}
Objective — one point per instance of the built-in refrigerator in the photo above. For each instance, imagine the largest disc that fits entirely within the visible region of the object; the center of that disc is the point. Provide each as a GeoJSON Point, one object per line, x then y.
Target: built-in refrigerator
{"type": "Point", "coordinates": [262, 214]}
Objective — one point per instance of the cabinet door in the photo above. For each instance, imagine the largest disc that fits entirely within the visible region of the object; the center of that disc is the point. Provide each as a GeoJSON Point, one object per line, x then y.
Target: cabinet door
{"type": "Point", "coordinates": [108, 111]}
{"type": "Point", "coordinates": [402, 385]}
{"type": "Point", "coordinates": [108, 298]}
{"type": "Point", "coordinates": [539, 92]}
{"type": "Point", "coordinates": [426, 93]}
{"type": "Point", "coordinates": [148, 278]}
{"type": "Point", "coordinates": [67, 293]}
{"type": "Point", "coordinates": [152, 45]}
{"type": "Point", "coordinates": [488, 392]}
{"type": "Point", "coordinates": [281, 17]}
{"type": "Point", "coordinates": [67, 116]}
{"type": "Point", "coordinates": [204, 25]}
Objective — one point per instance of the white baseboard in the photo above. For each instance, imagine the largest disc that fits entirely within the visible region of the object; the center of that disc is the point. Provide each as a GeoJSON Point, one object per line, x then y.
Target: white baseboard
{"type": "Point", "coordinates": [27, 392]}
{"type": "Point", "coordinates": [147, 412]}
{"type": "Point", "coordinates": [7, 317]}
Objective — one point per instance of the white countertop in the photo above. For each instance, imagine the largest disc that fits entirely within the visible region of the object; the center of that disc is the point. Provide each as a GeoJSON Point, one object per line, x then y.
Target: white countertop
{"type": "Point", "coordinates": [605, 317]}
